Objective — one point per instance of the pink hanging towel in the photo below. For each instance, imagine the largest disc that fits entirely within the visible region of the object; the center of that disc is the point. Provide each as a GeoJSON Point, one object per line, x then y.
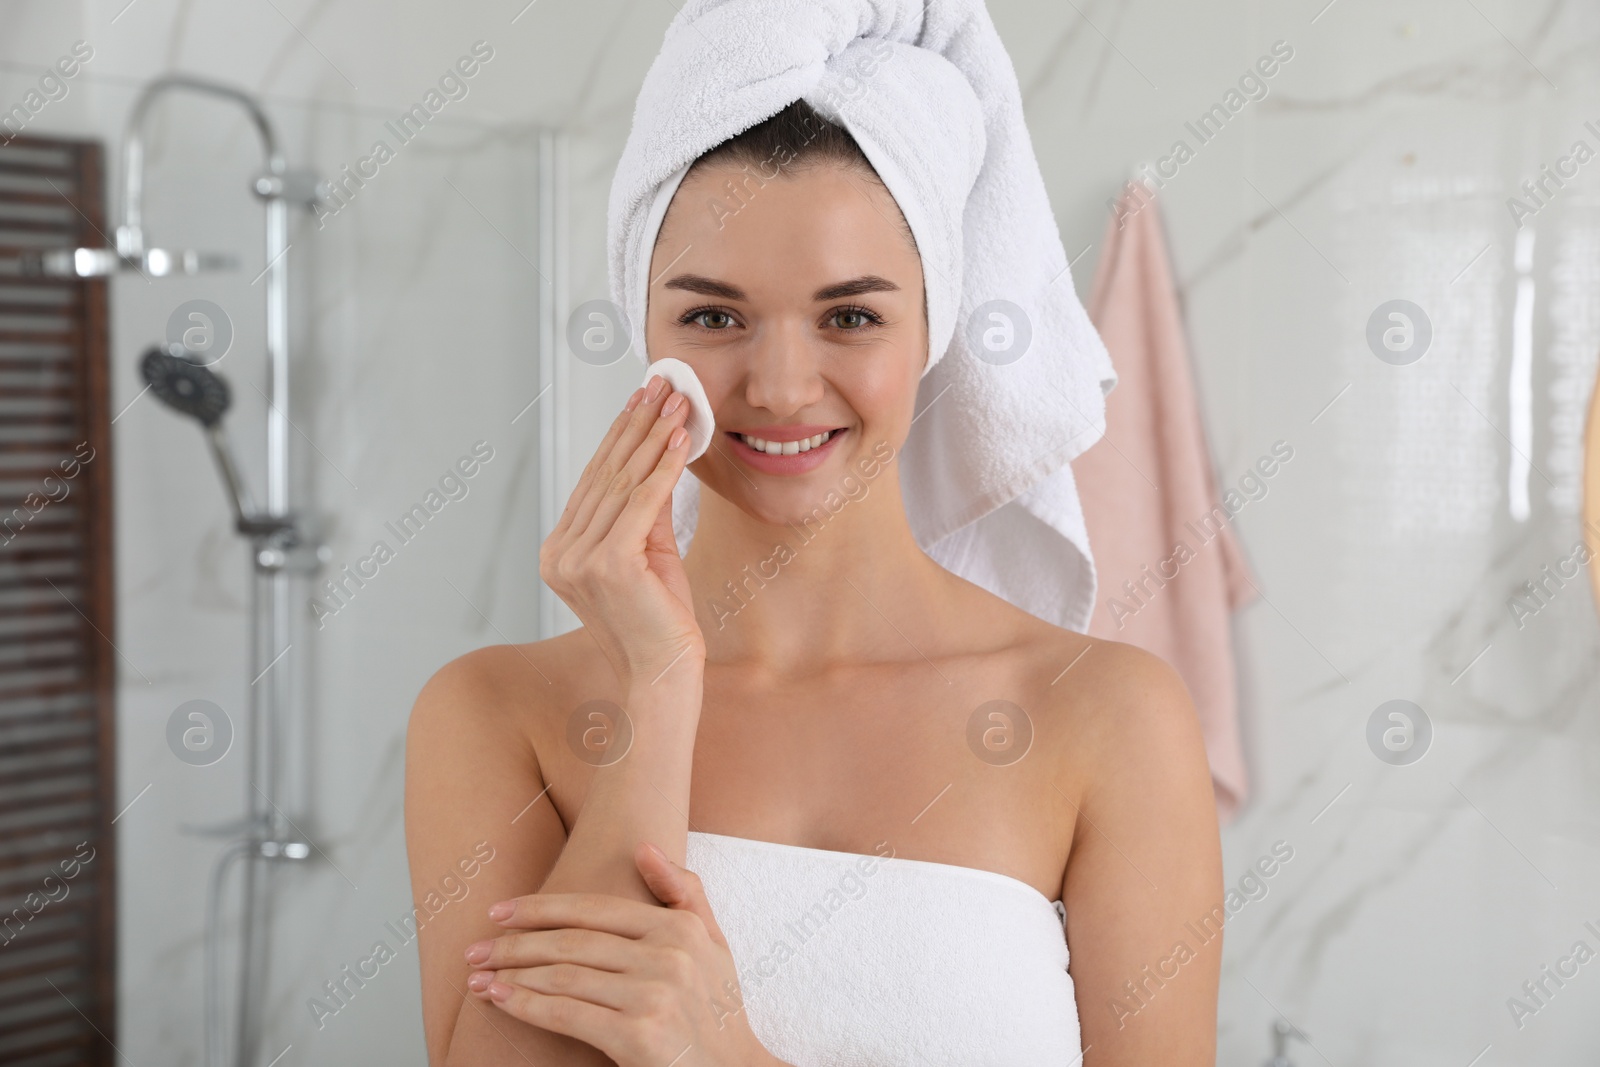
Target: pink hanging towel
{"type": "Point", "coordinates": [1170, 570]}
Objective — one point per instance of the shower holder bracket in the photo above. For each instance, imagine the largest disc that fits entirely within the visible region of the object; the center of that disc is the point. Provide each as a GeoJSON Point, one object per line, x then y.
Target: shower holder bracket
{"type": "Point", "coordinates": [301, 187]}
{"type": "Point", "coordinates": [291, 544]}
{"type": "Point", "coordinates": [258, 833]}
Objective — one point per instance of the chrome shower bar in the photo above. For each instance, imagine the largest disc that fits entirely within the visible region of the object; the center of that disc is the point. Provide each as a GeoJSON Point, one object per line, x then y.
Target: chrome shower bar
{"type": "Point", "coordinates": [280, 546]}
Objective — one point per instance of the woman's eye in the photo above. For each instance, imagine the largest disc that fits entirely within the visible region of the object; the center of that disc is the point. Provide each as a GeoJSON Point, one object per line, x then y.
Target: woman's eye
{"type": "Point", "coordinates": [853, 318]}
{"type": "Point", "coordinates": [712, 320]}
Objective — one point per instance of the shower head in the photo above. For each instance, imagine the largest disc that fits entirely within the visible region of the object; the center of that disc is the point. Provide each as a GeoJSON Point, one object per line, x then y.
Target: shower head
{"type": "Point", "coordinates": [195, 391]}
{"type": "Point", "coordinates": [186, 386]}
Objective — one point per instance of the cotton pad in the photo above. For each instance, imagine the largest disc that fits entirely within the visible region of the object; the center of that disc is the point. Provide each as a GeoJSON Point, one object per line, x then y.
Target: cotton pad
{"type": "Point", "coordinates": [701, 424]}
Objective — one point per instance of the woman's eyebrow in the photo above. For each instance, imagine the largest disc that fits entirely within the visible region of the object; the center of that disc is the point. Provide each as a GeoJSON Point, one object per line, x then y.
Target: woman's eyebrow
{"type": "Point", "coordinates": [699, 283]}
{"type": "Point", "coordinates": [867, 283]}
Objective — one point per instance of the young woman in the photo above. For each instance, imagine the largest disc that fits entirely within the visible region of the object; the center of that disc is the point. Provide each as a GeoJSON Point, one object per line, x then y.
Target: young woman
{"type": "Point", "coordinates": [822, 713]}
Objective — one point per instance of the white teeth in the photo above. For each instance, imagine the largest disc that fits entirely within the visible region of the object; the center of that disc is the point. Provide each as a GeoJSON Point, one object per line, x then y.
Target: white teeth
{"type": "Point", "coordinates": [785, 448]}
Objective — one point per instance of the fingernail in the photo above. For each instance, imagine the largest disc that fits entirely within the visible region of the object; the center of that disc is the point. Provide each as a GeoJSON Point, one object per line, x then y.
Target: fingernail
{"type": "Point", "coordinates": [651, 845]}
{"type": "Point", "coordinates": [499, 990]}
{"type": "Point", "coordinates": [633, 401]}
{"type": "Point", "coordinates": [502, 911]}
{"type": "Point", "coordinates": [676, 440]}
{"type": "Point", "coordinates": [478, 981]}
{"type": "Point", "coordinates": [479, 952]}
{"type": "Point", "coordinates": [673, 404]}
{"type": "Point", "coordinates": [658, 385]}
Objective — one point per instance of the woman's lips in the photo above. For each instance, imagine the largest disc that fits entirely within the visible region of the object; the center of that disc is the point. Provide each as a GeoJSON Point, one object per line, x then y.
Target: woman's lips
{"type": "Point", "coordinates": [799, 463]}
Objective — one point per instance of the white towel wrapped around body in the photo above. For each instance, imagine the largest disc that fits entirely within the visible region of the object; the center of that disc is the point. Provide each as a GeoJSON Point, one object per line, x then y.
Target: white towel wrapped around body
{"type": "Point", "coordinates": [872, 960]}
{"type": "Point", "coordinates": [1016, 377]}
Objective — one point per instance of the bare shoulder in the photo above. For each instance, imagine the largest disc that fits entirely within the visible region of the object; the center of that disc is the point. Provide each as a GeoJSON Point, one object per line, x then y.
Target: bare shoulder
{"type": "Point", "coordinates": [1122, 694]}
{"type": "Point", "coordinates": [1110, 705]}
{"type": "Point", "coordinates": [488, 680]}
{"type": "Point", "coordinates": [476, 729]}
{"type": "Point", "coordinates": [502, 689]}
{"type": "Point", "coordinates": [487, 732]}
{"type": "Point", "coordinates": [1119, 711]}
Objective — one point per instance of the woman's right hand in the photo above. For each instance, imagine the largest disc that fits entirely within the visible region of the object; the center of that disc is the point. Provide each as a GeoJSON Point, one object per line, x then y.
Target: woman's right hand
{"type": "Point", "coordinates": [613, 556]}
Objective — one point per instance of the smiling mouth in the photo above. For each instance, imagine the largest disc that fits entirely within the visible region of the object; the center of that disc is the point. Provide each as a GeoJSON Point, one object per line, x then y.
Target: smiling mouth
{"type": "Point", "coordinates": [786, 448]}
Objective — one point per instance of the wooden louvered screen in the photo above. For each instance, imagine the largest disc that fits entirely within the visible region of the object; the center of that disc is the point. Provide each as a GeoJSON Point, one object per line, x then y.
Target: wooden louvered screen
{"type": "Point", "coordinates": [57, 664]}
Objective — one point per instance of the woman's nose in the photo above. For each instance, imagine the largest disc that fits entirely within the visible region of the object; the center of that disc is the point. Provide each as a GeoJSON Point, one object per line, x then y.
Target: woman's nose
{"type": "Point", "coordinates": [783, 372]}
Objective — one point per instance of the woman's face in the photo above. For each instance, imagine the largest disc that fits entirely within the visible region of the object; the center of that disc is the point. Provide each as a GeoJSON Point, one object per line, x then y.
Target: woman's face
{"type": "Point", "coordinates": [801, 312]}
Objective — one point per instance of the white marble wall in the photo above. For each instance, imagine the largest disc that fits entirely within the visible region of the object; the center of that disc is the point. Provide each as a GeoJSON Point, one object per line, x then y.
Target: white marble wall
{"type": "Point", "coordinates": [1420, 897]}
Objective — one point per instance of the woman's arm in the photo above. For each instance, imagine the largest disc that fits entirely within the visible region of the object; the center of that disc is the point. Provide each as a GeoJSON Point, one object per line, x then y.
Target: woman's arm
{"type": "Point", "coordinates": [472, 780]}
{"type": "Point", "coordinates": [471, 770]}
{"type": "Point", "coordinates": [1143, 887]}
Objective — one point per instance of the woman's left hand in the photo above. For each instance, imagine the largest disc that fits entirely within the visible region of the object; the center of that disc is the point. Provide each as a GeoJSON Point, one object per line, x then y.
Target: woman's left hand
{"type": "Point", "coordinates": [648, 986]}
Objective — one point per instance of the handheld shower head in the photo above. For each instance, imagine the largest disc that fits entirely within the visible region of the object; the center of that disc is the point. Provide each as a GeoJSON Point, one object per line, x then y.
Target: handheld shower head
{"type": "Point", "coordinates": [196, 391]}
{"type": "Point", "coordinates": [186, 386]}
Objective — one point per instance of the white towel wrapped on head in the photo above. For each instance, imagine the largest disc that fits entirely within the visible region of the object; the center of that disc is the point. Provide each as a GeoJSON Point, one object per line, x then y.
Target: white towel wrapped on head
{"type": "Point", "coordinates": [1016, 377]}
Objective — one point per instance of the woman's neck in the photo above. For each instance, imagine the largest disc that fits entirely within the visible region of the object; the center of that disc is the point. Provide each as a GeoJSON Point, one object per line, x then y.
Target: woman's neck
{"type": "Point", "coordinates": [800, 597]}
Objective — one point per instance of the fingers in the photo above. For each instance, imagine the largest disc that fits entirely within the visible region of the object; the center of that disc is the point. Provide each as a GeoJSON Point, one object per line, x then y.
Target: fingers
{"type": "Point", "coordinates": [602, 988]}
{"type": "Point", "coordinates": [644, 504]}
{"type": "Point", "coordinates": [635, 431]}
{"type": "Point", "coordinates": [627, 992]}
{"type": "Point", "coordinates": [588, 911]}
{"type": "Point", "coordinates": [616, 496]}
{"type": "Point", "coordinates": [628, 429]}
{"type": "Point", "coordinates": [534, 948]}
{"type": "Point", "coordinates": [571, 514]}
{"type": "Point", "coordinates": [581, 490]}
{"type": "Point", "coordinates": [663, 877]}
{"type": "Point", "coordinates": [590, 1023]}
{"type": "Point", "coordinates": [678, 888]}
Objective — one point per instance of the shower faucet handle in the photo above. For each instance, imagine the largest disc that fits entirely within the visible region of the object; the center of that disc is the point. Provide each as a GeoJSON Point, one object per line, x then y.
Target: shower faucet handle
{"type": "Point", "coordinates": [241, 827]}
